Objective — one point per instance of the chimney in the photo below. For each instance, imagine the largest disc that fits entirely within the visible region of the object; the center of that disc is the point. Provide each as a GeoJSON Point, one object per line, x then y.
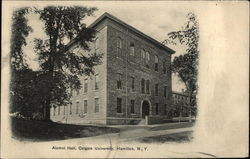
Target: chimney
{"type": "Point", "coordinates": [182, 90]}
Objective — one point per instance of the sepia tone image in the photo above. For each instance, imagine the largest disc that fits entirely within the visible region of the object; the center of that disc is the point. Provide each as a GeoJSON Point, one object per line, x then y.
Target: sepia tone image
{"type": "Point", "coordinates": [88, 80]}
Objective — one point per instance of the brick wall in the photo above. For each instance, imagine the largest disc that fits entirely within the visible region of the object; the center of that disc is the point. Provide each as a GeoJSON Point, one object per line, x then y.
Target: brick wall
{"type": "Point", "coordinates": [127, 66]}
{"type": "Point", "coordinates": [133, 66]}
{"type": "Point", "coordinates": [91, 116]}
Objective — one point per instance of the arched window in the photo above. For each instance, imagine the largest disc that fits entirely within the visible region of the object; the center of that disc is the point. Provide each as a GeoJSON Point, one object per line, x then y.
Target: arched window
{"type": "Point", "coordinates": [147, 56]}
{"type": "Point", "coordinates": [119, 43]}
{"type": "Point", "coordinates": [156, 63]}
{"type": "Point", "coordinates": [147, 86]}
{"type": "Point", "coordinates": [143, 86]}
{"type": "Point", "coordinates": [147, 59]}
{"type": "Point", "coordinates": [119, 47]}
{"type": "Point", "coordinates": [132, 49]}
{"type": "Point", "coordinates": [143, 54]}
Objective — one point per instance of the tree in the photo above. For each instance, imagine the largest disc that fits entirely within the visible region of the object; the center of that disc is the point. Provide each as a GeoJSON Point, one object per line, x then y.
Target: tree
{"type": "Point", "coordinates": [18, 66]}
{"type": "Point", "coordinates": [185, 66]}
{"type": "Point", "coordinates": [20, 30]}
{"type": "Point", "coordinates": [27, 92]}
{"type": "Point", "coordinates": [59, 64]}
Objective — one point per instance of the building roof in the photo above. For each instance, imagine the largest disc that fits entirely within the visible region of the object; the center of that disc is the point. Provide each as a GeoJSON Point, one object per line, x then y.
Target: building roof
{"type": "Point", "coordinates": [179, 93]}
{"type": "Point", "coordinates": [113, 18]}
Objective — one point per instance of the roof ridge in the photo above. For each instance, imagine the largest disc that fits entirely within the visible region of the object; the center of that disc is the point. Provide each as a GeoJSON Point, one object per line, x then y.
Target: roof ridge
{"type": "Point", "coordinates": [108, 15]}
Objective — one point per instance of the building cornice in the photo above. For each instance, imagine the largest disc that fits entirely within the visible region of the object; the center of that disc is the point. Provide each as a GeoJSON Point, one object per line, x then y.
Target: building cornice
{"type": "Point", "coordinates": [113, 18]}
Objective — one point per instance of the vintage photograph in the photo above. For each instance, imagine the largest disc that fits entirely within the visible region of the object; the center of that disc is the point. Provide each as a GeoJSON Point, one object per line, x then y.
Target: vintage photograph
{"type": "Point", "coordinates": [104, 79]}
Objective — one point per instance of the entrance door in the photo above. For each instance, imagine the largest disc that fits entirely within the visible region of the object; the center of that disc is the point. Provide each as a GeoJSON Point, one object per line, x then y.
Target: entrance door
{"type": "Point", "coordinates": [145, 109]}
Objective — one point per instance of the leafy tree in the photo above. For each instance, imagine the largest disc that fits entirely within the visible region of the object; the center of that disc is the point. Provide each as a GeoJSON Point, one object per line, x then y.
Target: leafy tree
{"type": "Point", "coordinates": [185, 66]}
{"type": "Point", "coordinates": [19, 68]}
{"type": "Point", "coordinates": [26, 94]}
{"type": "Point", "coordinates": [20, 30]}
{"type": "Point", "coordinates": [59, 64]}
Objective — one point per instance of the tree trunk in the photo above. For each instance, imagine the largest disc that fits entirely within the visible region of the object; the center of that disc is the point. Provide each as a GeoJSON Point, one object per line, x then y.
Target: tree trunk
{"type": "Point", "coordinates": [190, 107]}
{"type": "Point", "coordinates": [46, 110]}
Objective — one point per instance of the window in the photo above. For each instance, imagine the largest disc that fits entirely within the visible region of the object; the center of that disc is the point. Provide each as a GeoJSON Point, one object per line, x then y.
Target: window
{"type": "Point", "coordinates": [156, 108]}
{"type": "Point", "coordinates": [147, 57]}
{"type": "Point", "coordinates": [119, 47]}
{"type": "Point", "coordinates": [119, 105]}
{"type": "Point", "coordinates": [133, 84]}
{"type": "Point", "coordinates": [85, 106]}
{"type": "Point", "coordinates": [77, 91]}
{"type": "Point", "coordinates": [119, 81]}
{"type": "Point", "coordinates": [58, 110]}
{"type": "Point", "coordinates": [54, 113]}
{"type": "Point", "coordinates": [96, 82]}
{"type": "Point", "coordinates": [71, 91]}
{"type": "Point", "coordinates": [132, 106]}
{"type": "Point", "coordinates": [142, 86]}
{"type": "Point", "coordinates": [70, 108]}
{"type": "Point", "coordinates": [85, 85]}
{"type": "Point", "coordinates": [142, 54]}
{"type": "Point", "coordinates": [64, 109]}
{"type": "Point", "coordinates": [156, 63]}
{"type": "Point", "coordinates": [96, 105]}
{"type": "Point", "coordinates": [132, 49]}
{"type": "Point", "coordinates": [164, 68]}
{"type": "Point", "coordinates": [156, 89]}
{"type": "Point", "coordinates": [77, 107]}
{"type": "Point", "coordinates": [97, 44]}
{"type": "Point", "coordinates": [147, 86]}
{"type": "Point", "coordinates": [165, 109]}
{"type": "Point", "coordinates": [165, 91]}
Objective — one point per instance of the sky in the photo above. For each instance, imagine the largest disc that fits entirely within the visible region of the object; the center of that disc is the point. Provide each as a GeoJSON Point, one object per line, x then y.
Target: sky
{"type": "Point", "coordinates": [155, 19]}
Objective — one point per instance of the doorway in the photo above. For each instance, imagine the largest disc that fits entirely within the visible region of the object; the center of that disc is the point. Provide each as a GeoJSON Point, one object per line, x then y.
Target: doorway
{"type": "Point", "coordinates": [145, 109]}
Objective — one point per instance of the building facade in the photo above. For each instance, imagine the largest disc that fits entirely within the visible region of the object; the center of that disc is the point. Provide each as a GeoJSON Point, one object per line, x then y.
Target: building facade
{"type": "Point", "coordinates": [180, 98]}
{"type": "Point", "coordinates": [133, 81]}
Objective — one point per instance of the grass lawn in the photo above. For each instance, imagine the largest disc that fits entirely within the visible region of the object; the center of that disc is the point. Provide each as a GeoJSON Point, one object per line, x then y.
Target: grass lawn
{"type": "Point", "coordinates": [178, 137]}
{"type": "Point", "coordinates": [48, 131]}
{"type": "Point", "coordinates": [173, 126]}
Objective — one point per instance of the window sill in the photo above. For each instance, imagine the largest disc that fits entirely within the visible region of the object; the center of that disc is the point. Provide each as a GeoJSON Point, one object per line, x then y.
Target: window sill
{"type": "Point", "coordinates": [120, 58]}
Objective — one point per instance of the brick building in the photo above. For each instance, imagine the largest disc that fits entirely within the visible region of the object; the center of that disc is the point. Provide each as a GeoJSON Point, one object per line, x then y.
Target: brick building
{"type": "Point", "coordinates": [180, 97]}
{"type": "Point", "coordinates": [133, 81]}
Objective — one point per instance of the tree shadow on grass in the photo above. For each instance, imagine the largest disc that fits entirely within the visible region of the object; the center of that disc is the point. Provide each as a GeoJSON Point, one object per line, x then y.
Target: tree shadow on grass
{"type": "Point", "coordinates": [177, 137]}
{"type": "Point", "coordinates": [32, 130]}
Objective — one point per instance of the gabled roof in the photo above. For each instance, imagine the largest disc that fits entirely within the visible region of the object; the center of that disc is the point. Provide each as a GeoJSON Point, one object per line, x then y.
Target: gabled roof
{"type": "Point", "coordinates": [109, 16]}
{"type": "Point", "coordinates": [113, 18]}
